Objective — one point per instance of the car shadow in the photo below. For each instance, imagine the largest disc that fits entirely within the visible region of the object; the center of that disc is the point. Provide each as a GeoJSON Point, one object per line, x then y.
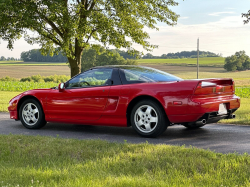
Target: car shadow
{"type": "Point", "coordinates": [216, 137]}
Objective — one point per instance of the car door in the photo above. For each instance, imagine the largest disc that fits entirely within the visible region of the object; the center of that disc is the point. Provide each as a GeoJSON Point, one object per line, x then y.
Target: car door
{"type": "Point", "coordinates": [83, 99]}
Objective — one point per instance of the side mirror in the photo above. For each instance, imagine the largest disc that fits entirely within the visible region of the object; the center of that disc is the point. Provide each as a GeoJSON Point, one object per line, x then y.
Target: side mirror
{"type": "Point", "coordinates": [109, 82]}
{"type": "Point", "coordinates": [61, 87]}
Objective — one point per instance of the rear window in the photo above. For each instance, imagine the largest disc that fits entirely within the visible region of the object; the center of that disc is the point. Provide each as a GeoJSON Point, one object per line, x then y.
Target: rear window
{"type": "Point", "coordinates": [139, 74]}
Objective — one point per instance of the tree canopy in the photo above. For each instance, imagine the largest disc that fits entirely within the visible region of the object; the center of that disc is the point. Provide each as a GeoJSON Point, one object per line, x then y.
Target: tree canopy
{"type": "Point", "coordinates": [239, 61]}
{"type": "Point", "coordinates": [247, 16]}
{"type": "Point", "coordinates": [69, 25]}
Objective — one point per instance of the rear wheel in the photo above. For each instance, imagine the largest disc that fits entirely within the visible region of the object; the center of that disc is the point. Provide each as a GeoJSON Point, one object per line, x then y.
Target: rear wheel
{"type": "Point", "coordinates": [148, 119]}
{"type": "Point", "coordinates": [31, 114]}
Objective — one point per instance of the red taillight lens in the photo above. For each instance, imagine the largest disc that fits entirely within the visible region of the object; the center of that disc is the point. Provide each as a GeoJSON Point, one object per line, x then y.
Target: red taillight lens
{"type": "Point", "coordinates": [203, 90]}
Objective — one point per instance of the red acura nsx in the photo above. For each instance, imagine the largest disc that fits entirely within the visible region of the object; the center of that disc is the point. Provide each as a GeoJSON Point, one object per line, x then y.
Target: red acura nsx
{"type": "Point", "coordinates": [147, 99]}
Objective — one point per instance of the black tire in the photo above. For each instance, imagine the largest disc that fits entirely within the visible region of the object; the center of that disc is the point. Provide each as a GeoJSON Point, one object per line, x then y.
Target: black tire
{"type": "Point", "coordinates": [31, 114]}
{"type": "Point", "coordinates": [143, 117]}
{"type": "Point", "coordinates": [192, 125]}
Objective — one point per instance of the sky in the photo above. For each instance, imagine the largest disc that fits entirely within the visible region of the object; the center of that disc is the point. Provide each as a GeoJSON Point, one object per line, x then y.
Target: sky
{"type": "Point", "coordinates": [217, 23]}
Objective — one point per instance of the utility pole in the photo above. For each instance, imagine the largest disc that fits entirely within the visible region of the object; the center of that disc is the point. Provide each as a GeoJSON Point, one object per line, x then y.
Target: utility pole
{"type": "Point", "coordinates": [198, 58]}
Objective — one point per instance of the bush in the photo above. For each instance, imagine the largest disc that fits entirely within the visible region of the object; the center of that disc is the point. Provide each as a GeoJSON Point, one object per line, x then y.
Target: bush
{"type": "Point", "coordinates": [239, 61]}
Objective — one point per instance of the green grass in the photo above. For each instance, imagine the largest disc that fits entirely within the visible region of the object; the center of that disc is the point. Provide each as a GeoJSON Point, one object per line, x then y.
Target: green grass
{"type": "Point", "coordinates": [208, 61]}
{"type": "Point", "coordinates": [47, 161]}
{"type": "Point", "coordinates": [242, 114]}
{"type": "Point", "coordinates": [243, 92]}
{"type": "Point", "coordinates": [5, 97]}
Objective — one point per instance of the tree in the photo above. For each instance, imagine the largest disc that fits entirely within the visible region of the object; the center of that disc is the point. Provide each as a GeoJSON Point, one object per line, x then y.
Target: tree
{"type": "Point", "coordinates": [125, 54]}
{"type": "Point", "coordinates": [247, 16]}
{"type": "Point", "coordinates": [148, 56]}
{"type": "Point", "coordinates": [3, 58]}
{"type": "Point", "coordinates": [238, 61]}
{"type": "Point", "coordinates": [69, 25]}
{"type": "Point", "coordinates": [99, 56]}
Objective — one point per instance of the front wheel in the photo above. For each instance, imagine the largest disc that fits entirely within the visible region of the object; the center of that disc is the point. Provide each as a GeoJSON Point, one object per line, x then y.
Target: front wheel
{"type": "Point", "coordinates": [31, 114]}
{"type": "Point", "coordinates": [148, 119]}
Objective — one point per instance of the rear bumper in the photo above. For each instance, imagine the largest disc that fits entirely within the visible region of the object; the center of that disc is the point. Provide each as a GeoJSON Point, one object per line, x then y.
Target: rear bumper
{"type": "Point", "coordinates": [207, 109]}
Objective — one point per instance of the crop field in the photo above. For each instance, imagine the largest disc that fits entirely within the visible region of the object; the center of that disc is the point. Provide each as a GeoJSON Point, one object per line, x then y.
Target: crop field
{"type": "Point", "coordinates": [15, 86]}
{"type": "Point", "coordinates": [21, 63]}
{"type": "Point", "coordinates": [208, 61]}
{"type": "Point", "coordinates": [18, 71]}
{"type": "Point", "coordinates": [3, 62]}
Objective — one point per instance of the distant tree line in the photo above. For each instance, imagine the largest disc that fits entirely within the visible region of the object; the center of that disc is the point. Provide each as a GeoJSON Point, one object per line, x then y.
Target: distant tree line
{"type": "Point", "coordinates": [183, 54]}
{"type": "Point", "coordinates": [35, 55]}
{"type": "Point", "coordinates": [239, 61]}
{"type": "Point", "coordinates": [8, 59]}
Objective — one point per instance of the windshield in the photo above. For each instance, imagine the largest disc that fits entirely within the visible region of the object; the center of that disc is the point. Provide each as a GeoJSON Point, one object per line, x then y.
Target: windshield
{"type": "Point", "coordinates": [145, 74]}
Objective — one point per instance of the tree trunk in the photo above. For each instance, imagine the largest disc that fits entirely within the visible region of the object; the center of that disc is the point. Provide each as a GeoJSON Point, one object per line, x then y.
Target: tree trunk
{"type": "Point", "coordinates": [75, 64]}
{"type": "Point", "coordinates": [74, 68]}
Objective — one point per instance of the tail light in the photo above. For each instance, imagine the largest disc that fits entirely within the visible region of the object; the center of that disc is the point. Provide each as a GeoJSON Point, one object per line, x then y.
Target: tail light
{"type": "Point", "coordinates": [233, 86]}
{"type": "Point", "coordinates": [204, 88]}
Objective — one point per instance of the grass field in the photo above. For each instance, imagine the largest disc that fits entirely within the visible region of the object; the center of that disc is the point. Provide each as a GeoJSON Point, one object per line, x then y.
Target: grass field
{"type": "Point", "coordinates": [47, 161]}
{"type": "Point", "coordinates": [5, 97]}
{"type": "Point", "coordinates": [208, 61]}
{"type": "Point", "coordinates": [187, 72]}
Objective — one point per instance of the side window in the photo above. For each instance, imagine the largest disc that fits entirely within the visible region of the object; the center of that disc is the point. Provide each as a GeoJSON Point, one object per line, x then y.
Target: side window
{"type": "Point", "coordinates": [95, 77]}
{"type": "Point", "coordinates": [132, 77]}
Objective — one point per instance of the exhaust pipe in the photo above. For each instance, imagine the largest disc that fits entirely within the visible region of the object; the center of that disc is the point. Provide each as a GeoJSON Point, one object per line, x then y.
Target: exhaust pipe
{"type": "Point", "coordinates": [231, 116]}
{"type": "Point", "coordinates": [202, 122]}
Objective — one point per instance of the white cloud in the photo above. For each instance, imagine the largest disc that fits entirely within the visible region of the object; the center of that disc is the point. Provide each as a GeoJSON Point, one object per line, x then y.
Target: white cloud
{"type": "Point", "coordinates": [220, 13]}
{"type": "Point", "coordinates": [225, 36]}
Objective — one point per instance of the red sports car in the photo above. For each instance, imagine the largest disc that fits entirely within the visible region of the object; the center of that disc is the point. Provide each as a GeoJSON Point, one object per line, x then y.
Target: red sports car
{"type": "Point", "coordinates": [147, 99]}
